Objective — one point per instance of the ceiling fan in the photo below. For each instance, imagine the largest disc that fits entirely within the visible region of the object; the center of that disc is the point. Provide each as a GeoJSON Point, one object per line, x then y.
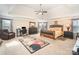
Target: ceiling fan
{"type": "Point", "coordinates": [41, 11]}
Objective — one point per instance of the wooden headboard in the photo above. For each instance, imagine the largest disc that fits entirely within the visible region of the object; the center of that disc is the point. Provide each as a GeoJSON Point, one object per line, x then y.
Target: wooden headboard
{"type": "Point", "coordinates": [53, 26]}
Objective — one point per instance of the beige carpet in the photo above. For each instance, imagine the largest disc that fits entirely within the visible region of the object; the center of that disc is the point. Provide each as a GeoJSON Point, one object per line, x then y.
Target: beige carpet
{"type": "Point", "coordinates": [61, 46]}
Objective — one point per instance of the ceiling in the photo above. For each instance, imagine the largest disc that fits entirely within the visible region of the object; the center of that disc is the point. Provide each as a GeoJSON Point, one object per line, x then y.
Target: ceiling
{"type": "Point", "coordinates": [27, 10]}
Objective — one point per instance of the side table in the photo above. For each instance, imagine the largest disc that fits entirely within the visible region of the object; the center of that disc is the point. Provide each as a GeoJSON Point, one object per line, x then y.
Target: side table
{"type": "Point", "coordinates": [18, 32]}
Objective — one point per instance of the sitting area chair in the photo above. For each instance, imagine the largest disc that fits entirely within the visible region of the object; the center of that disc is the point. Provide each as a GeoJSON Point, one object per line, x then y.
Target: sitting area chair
{"type": "Point", "coordinates": [23, 31]}
{"type": "Point", "coordinates": [5, 34]}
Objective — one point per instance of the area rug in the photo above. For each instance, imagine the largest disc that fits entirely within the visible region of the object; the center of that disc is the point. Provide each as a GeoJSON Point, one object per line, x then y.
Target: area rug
{"type": "Point", "coordinates": [1, 42]}
{"type": "Point", "coordinates": [34, 45]}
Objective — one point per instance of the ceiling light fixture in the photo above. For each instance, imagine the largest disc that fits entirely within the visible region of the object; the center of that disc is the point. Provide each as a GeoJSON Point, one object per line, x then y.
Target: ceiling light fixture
{"type": "Point", "coordinates": [41, 11]}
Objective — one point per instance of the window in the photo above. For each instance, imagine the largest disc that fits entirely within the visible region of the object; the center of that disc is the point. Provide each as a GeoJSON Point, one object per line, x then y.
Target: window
{"type": "Point", "coordinates": [6, 24]}
{"type": "Point", "coordinates": [0, 24]}
{"type": "Point", "coordinates": [76, 26]}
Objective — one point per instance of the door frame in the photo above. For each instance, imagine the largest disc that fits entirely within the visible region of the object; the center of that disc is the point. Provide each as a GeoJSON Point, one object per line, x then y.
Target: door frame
{"type": "Point", "coordinates": [42, 25]}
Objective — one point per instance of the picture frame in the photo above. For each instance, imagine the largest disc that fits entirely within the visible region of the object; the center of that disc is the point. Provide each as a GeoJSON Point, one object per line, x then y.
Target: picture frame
{"type": "Point", "coordinates": [32, 24]}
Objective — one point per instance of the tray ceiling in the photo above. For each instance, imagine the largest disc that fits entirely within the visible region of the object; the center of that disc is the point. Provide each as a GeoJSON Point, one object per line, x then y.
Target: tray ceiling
{"type": "Point", "coordinates": [53, 9]}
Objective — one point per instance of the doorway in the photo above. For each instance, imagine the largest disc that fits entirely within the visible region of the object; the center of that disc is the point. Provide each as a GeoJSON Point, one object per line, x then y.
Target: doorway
{"type": "Point", "coordinates": [42, 26]}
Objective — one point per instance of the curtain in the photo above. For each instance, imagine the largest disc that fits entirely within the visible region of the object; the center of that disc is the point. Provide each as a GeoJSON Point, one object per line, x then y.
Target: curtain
{"type": "Point", "coordinates": [76, 26]}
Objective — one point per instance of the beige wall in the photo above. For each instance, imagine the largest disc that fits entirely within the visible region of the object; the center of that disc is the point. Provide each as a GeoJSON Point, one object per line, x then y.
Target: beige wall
{"type": "Point", "coordinates": [21, 22]}
{"type": "Point", "coordinates": [18, 23]}
{"type": "Point", "coordinates": [62, 21]}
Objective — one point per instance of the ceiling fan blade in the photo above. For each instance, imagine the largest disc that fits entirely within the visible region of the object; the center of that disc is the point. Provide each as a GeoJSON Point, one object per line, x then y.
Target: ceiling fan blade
{"type": "Point", "coordinates": [35, 11]}
{"type": "Point", "coordinates": [44, 11]}
{"type": "Point", "coordinates": [41, 11]}
{"type": "Point", "coordinates": [38, 11]}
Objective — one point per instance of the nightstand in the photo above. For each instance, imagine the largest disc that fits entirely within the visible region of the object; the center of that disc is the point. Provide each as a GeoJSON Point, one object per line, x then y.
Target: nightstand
{"type": "Point", "coordinates": [68, 34]}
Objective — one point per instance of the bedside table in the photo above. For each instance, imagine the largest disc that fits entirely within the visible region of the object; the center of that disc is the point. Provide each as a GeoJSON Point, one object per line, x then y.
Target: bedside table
{"type": "Point", "coordinates": [68, 34]}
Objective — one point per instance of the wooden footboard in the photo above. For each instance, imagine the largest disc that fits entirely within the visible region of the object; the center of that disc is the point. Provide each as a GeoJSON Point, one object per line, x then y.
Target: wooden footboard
{"type": "Point", "coordinates": [47, 35]}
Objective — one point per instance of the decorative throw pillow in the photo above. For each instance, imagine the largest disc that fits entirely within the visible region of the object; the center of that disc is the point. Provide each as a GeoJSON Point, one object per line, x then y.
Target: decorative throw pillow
{"type": "Point", "coordinates": [35, 46]}
{"type": "Point", "coordinates": [38, 42]}
{"type": "Point", "coordinates": [41, 43]}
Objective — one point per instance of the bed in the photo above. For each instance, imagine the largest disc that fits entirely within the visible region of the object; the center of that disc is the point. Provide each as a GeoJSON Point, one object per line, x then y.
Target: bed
{"type": "Point", "coordinates": [53, 32]}
{"type": "Point", "coordinates": [58, 29]}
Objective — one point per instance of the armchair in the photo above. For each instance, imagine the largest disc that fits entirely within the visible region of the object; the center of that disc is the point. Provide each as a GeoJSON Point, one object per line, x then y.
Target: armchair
{"type": "Point", "coordinates": [5, 35]}
{"type": "Point", "coordinates": [23, 31]}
